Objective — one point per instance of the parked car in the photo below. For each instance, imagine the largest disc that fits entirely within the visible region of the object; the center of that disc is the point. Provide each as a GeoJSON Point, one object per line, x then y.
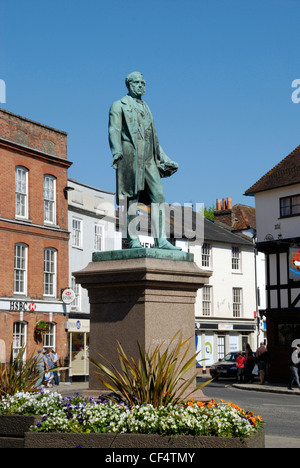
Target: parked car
{"type": "Point", "coordinates": [226, 367]}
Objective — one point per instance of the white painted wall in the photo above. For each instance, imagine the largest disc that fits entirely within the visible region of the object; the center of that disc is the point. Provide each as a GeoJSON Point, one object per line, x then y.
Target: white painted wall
{"type": "Point", "coordinates": [224, 279]}
{"type": "Point", "coordinates": [91, 206]}
{"type": "Point", "coordinates": [268, 219]}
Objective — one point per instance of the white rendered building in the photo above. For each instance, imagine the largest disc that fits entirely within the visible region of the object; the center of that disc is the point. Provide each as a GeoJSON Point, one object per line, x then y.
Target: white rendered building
{"type": "Point", "coordinates": [92, 223]}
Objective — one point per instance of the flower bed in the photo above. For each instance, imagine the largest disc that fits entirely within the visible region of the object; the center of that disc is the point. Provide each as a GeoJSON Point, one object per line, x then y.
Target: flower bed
{"type": "Point", "coordinates": [77, 415]}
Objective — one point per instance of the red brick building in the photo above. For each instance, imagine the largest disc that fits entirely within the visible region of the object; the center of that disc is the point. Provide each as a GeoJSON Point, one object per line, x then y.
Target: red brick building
{"type": "Point", "coordinates": [33, 235]}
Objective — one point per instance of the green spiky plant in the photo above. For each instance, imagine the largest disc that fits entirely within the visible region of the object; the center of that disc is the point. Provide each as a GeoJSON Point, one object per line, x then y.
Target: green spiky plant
{"type": "Point", "coordinates": [157, 378]}
{"type": "Point", "coordinates": [18, 374]}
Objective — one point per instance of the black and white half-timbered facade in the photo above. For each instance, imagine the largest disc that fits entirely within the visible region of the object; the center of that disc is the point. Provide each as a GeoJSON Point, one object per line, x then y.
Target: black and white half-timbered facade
{"type": "Point", "coordinates": [277, 201]}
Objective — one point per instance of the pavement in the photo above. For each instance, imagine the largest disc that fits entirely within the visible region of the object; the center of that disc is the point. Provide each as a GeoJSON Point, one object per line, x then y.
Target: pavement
{"type": "Point", "coordinates": [267, 387]}
{"type": "Point", "coordinates": [68, 389]}
{"type": "Point", "coordinates": [272, 441]}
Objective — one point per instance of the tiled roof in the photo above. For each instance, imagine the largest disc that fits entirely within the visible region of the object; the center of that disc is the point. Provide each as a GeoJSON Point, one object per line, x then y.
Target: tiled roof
{"type": "Point", "coordinates": [287, 172]}
{"type": "Point", "coordinates": [215, 233]}
{"type": "Point", "coordinates": [244, 217]}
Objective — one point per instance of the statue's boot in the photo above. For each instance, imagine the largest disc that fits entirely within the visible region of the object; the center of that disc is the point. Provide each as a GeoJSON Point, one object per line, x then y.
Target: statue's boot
{"type": "Point", "coordinates": [158, 223]}
{"type": "Point", "coordinates": [163, 243]}
{"type": "Point", "coordinates": [133, 226]}
{"type": "Point", "coordinates": [134, 243]}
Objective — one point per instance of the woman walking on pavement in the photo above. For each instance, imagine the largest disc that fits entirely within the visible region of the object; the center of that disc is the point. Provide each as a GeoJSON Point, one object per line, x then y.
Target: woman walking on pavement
{"type": "Point", "coordinates": [294, 368]}
{"type": "Point", "coordinates": [249, 365]}
{"type": "Point", "coordinates": [262, 360]}
{"type": "Point", "coordinates": [240, 364]}
{"type": "Point", "coordinates": [49, 376]}
{"type": "Point", "coordinates": [55, 362]}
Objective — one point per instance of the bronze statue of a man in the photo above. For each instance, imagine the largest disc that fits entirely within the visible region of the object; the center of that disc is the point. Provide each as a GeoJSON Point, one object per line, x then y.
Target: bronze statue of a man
{"type": "Point", "coordinates": [139, 160]}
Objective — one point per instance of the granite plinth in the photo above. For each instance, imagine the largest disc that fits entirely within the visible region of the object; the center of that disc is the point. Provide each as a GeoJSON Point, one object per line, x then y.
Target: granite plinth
{"type": "Point", "coordinates": [135, 297]}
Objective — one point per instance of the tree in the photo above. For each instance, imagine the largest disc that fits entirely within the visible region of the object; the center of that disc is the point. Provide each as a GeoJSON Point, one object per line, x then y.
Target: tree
{"type": "Point", "coordinates": [209, 212]}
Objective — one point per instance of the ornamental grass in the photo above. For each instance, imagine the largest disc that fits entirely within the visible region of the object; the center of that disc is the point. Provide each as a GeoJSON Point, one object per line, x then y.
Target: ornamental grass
{"type": "Point", "coordinates": [18, 375]}
{"type": "Point", "coordinates": [158, 377]}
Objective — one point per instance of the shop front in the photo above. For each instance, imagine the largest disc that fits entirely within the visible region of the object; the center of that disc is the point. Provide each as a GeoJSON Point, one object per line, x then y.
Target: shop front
{"type": "Point", "coordinates": [79, 334]}
{"type": "Point", "coordinates": [215, 340]}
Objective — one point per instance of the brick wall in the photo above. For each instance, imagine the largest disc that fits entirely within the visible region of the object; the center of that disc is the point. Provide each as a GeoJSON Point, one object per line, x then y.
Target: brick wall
{"type": "Point", "coordinates": [225, 217]}
{"type": "Point", "coordinates": [36, 170]}
{"type": "Point", "coordinates": [7, 320]}
{"type": "Point", "coordinates": [36, 244]}
{"type": "Point", "coordinates": [32, 134]}
{"type": "Point", "coordinates": [41, 150]}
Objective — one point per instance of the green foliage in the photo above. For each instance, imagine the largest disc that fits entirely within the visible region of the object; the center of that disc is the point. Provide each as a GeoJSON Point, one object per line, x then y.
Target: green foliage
{"type": "Point", "coordinates": [157, 378]}
{"type": "Point", "coordinates": [209, 213]}
{"type": "Point", "coordinates": [18, 375]}
{"type": "Point", "coordinates": [41, 328]}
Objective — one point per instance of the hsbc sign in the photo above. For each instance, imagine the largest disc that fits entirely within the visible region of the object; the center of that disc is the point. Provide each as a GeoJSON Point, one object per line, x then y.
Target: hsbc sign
{"type": "Point", "coordinates": [22, 306]}
{"type": "Point", "coordinates": [18, 305]}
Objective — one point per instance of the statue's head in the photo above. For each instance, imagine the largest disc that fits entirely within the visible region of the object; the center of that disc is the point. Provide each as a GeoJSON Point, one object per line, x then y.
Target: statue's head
{"type": "Point", "coordinates": [135, 84]}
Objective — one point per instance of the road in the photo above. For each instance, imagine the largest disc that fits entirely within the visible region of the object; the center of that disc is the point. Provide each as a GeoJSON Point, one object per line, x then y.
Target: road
{"type": "Point", "coordinates": [281, 413]}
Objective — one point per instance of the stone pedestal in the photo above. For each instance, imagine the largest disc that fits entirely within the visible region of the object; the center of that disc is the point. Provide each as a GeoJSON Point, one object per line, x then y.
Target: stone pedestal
{"type": "Point", "coordinates": [139, 295]}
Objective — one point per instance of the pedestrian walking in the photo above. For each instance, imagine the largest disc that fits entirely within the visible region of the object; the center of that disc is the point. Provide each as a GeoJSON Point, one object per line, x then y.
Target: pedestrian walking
{"type": "Point", "coordinates": [294, 368]}
{"type": "Point", "coordinates": [40, 366]}
{"type": "Point", "coordinates": [55, 363]}
{"type": "Point", "coordinates": [262, 359]}
{"type": "Point", "coordinates": [240, 364]}
{"type": "Point", "coordinates": [49, 376]}
{"type": "Point", "coordinates": [249, 364]}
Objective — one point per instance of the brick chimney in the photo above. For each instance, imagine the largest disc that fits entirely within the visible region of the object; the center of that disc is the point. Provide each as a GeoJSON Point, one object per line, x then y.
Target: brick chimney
{"type": "Point", "coordinates": [224, 213]}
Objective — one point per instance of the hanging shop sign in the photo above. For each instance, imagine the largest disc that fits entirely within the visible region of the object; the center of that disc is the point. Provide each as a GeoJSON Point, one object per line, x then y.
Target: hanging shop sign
{"type": "Point", "coordinates": [68, 296]}
{"type": "Point", "coordinates": [294, 263]}
{"type": "Point", "coordinates": [78, 326]}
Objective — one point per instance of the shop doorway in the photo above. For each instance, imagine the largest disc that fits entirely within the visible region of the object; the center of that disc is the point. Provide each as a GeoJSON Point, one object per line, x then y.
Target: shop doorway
{"type": "Point", "coordinates": [79, 356]}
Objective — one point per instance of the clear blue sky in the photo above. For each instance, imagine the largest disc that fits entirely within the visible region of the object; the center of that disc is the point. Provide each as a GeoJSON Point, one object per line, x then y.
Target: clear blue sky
{"type": "Point", "coordinates": [218, 72]}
